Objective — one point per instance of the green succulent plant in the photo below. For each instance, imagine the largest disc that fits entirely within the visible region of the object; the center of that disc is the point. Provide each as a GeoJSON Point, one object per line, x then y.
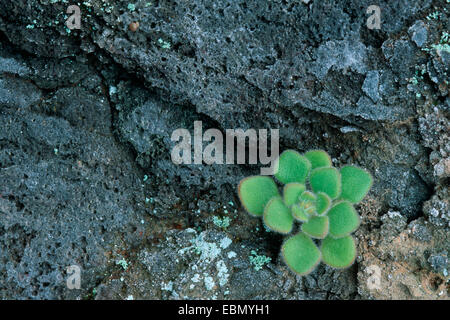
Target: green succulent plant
{"type": "Point", "coordinates": [317, 195]}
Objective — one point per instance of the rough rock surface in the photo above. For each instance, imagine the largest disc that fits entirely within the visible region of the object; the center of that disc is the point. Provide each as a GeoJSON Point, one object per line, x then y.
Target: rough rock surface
{"type": "Point", "coordinates": [86, 119]}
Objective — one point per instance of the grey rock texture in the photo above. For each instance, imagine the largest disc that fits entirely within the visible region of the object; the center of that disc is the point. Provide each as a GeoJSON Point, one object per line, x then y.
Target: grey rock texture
{"type": "Point", "coordinates": [194, 265]}
{"type": "Point", "coordinates": [419, 33]}
{"type": "Point", "coordinates": [86, 118]}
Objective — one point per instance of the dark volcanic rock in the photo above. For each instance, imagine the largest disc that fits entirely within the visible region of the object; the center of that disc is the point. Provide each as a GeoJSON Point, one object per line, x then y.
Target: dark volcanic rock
{"type": "Point", "coordinates": [67, 190]}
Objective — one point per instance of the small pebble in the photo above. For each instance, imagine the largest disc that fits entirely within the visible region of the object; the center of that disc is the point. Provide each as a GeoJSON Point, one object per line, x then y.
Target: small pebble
{"type": "Point", "coordinates": [133, 26]}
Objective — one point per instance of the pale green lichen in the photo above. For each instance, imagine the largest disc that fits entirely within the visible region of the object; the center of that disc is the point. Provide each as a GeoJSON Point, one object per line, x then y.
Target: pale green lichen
{"type": "Point", "coordinates": [420, 71]}
{"type": "Point", "coordinates": [123, 263]}
{"type": "Point", "coordinates": [212, 256]}
{"type": "Point", "coordinates": [167, 286]}
{"type": "Point", "coordinates": [164, 44]}
{"type": "Point", "coordinates": [222, 272]}
{"type": "Point", "coordinates": [208, 251]}
{"type": "Point", "coordinates": [434, 15]}
{"type": "Point", "coordinates": [209, 283]}
{"type": "Point", "coordinates": [443, 45]}
{"type": "Point", "coordinates": [258, 261]}
{"type": "Point", "coordinates": [225, 242]}
{"type": "Point", "coordinates": [221, 222]}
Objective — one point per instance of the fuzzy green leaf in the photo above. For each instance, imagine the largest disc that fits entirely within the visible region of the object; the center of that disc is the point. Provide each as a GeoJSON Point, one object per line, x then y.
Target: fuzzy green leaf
{"type": "Point", "coordinates": [291, 166]}
{"type": "Point", "coordinates": [300, 254]}
{"type": "Point", "coordinates": [318, 159]}
{"type": "Point", "coordinates": [277, 216]}
{"type": "Point", "coordinates": [326, 180]}
{"type": "Point", "coordinates": [323, 203]}
{"type": "Point", "coordinates": [316, 227]}
{"type": "Point", "coordinates": [343, 219]}
{"type": "Point", "coordinates": [356, 182]}
{"type": "Point", "coordinates": [338, 253]}
{"type": "Point", "coordinates": [299, 213]}
{"type": "Point", "coordinates": [307, 196]}
{"type": "Point", "coordinates": [291, 192]}
{"type": "Point", "coordinates": [255, 192]}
